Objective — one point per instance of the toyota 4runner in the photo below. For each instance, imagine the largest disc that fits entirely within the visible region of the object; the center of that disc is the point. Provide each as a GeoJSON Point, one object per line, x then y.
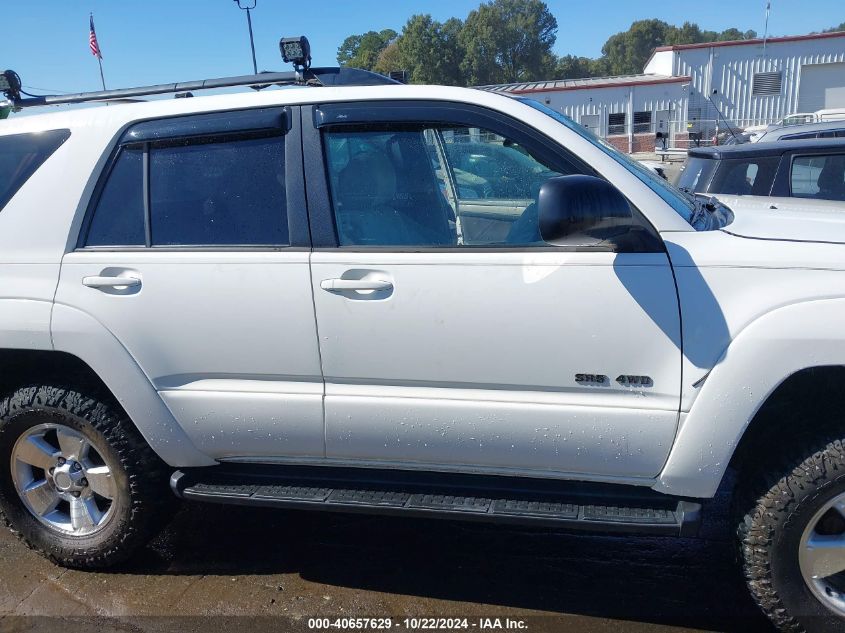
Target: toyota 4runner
{"type": "Point", "coordinates": [421, 301]}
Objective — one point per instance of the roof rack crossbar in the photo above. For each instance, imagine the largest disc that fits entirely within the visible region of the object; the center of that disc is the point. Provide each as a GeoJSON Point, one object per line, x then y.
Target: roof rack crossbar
{"type": "Point", "coordinates": [312, 76]}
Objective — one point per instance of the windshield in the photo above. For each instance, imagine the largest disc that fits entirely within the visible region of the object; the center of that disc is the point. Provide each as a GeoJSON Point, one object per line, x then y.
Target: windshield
{"type": "Point", "coordinates": [683, 204]}
{"type": "Point", "coordinates": [696, 174]}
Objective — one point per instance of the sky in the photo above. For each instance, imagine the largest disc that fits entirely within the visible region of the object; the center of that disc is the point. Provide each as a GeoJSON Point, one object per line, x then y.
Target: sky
{"type": "Point", "coordinates": [161, 41]}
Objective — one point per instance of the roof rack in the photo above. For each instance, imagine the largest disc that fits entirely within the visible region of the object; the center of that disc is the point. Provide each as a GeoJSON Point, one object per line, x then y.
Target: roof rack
{"type": "Point", "coordinates": [294, 50]}
{"type": "Point", "coordinates": [306, 77]}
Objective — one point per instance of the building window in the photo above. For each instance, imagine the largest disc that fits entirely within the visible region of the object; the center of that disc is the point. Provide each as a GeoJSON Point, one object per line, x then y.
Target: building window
{"type": "Point", "coordinates": [767, 83]}
{"type": "Point", "coordinates": [616, 123]}
{"type": "Point", "coordinates": [642, 122]}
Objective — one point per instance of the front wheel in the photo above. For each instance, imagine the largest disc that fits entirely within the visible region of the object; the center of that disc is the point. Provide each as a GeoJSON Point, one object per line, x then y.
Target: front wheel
{"type": "Point", "coordinates": [792, 538]}
{"type": "Point", "coordinates": [77, 481]}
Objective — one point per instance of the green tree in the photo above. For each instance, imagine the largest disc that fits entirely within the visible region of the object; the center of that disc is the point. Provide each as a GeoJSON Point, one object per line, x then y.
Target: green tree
{"type": "Point", "coordinates": [735, 34]}
{"type": "Point", "coordinates": [362, 51]}
{"type": "Point", "coordinates": [626, 53]}
{"type": "Point", "coordinates": [389, 59]}
{"type": "Point", "coordinates": [574, 67]}
{"type": "Point", "coordinates": [508, 41]}
{"type": "Point", "coordinates": [431, 51]}
{"type": "Point", "coordinates": [841, 27]}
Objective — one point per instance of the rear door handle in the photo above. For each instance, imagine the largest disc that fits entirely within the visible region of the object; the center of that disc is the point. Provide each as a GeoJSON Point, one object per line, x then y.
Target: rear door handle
{"type": "Point", "coordinates": [339, 285]}
{"type": "Point", "coordinates": [110, 282]}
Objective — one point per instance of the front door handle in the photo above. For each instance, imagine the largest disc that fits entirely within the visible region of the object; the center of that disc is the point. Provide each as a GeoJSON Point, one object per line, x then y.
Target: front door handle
{"type": "Point", "coordinates": [340, 285]}
{"type": "Point", "coordinates": [111, 282]}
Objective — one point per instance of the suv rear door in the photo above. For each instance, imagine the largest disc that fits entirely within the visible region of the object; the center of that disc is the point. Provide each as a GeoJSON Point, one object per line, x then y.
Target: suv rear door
{"type": "Point", "coordinates": [194, 255]}
{"type": "Point", "coordinates": [451, 336]}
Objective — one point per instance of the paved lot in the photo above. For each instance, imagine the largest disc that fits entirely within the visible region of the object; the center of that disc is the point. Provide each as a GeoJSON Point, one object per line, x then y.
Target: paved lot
{"type": "Point", "coordinates": [283, 567]}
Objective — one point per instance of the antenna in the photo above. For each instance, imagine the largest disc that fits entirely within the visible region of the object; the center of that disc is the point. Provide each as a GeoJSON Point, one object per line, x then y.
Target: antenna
{"type": "Point", "coordinates": [248, 8]}
{"type": "Point", "coordinates": [766, 26]}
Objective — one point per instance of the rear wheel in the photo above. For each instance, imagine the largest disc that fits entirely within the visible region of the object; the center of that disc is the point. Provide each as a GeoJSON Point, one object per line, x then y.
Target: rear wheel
{"type": "Point", "coordinates": [77, 481]}
{"type": "Point", "coordinates": [792, 537]}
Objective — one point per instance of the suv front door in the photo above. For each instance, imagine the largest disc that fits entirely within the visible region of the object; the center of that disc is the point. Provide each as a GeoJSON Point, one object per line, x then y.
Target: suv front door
{"type": "Point", "coordinates": [203, 217]}
{"type": "Point", "coordinates": [451, 336]}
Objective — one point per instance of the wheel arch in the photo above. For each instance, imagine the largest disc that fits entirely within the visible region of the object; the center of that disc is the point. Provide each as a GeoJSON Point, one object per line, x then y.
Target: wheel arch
{"type": "Point", "coordinates": [86, 355]}
{"type": "Point", "coordinates": [771, 360]}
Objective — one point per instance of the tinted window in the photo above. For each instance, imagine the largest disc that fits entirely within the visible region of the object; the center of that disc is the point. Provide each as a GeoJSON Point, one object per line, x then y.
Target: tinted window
{"type": "Point", "coordinates": [119, 217]}
{"type": "Point", "coordinates": [744, 176]}
{"type": "Point", "coordinates": [448, 186]}
{"type": "Point", "coordinates": [799, 137]}
{"type": "Point", "coordinates": [696, 174]}
{"type": "Point", "coordinates": [821, 177]}
{"type": "Point", "coordinates": [218, 193]}
{"type": "Point", "coordinates": [21, 155]}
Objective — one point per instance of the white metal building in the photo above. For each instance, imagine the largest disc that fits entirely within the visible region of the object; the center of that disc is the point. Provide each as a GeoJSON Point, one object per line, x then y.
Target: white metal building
{"type": "Point", "coordinates": [683, 89]}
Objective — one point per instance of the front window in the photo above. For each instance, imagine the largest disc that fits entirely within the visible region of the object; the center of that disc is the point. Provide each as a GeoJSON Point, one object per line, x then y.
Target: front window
{"type": "Point", "coordinates": [683, 205]}
{"type": "Point", "coordinates": [434, 186]}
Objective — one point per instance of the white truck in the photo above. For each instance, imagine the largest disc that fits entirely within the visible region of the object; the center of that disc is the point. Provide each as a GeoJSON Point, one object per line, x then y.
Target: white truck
{"type": "Point", "coordinates": [425, 301]}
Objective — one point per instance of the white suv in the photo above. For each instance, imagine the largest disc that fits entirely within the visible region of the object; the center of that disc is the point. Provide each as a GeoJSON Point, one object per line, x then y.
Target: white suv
{"type": "Point", "coordinates": [410, 300]}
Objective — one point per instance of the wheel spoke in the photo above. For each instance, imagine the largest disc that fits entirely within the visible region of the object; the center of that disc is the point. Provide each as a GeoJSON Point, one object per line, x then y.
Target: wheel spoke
{"type": "Point", "coordinates": [84, 513]}
{"type": "Point", "coordinates": [41, 496]}
{"type": "Point", "coordinates": [824, 555]}
{"type": "Point", "coordinates": [839, 506]}
{"type": "Point", "coordinates": [100, 480]}
{"type": "Point", "coordinates": [73, 446]}
{"type": "Point", "coordinates": [35, 451]}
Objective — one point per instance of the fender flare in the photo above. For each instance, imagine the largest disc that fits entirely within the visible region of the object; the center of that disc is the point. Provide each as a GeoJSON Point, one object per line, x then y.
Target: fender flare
{"type": "Point", "coordinates": [764, 354]}
{"type": "Point", "coordinates": [80, 334]}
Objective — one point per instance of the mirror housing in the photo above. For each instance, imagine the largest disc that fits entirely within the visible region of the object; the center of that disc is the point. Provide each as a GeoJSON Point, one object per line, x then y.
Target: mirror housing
{"type": "Point", "coordinates": [582, 211]}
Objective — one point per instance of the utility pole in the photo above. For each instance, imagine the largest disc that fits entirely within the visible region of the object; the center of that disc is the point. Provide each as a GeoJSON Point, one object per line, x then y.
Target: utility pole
{"type": "Point", "coordinates": [248, 8]}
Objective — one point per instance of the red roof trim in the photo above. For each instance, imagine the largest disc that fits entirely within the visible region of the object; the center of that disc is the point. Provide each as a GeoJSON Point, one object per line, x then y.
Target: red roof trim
{"type": "Point", "coordinates": [770, 40]}
{"type": "Point", "coordinates": [637, 82]}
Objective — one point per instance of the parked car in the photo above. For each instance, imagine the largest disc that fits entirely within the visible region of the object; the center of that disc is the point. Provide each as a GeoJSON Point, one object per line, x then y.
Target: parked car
{"type": "Point", "coordinates": [823, 129]}
{"type": "Point", "coordinates": [800, 118]}
{"type": "Point", "coordinates": [283, 299]}
{"type": "Point", "coordinates": [801, 169]}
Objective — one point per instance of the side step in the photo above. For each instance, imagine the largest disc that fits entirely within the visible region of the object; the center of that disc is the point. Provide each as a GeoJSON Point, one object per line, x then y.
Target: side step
{"type": "Point", "coordinates": [571, 505]}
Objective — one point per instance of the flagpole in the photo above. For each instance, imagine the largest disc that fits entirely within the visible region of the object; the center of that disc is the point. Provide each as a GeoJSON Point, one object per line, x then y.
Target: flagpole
{"type": "Point", "coordinates": [102, 78]}
{"type": "Point", "coordinates": [98, 54]}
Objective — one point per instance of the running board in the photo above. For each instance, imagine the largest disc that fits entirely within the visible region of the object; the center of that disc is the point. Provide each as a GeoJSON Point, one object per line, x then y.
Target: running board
{"type": "Point", "coordinates": [564, 505]}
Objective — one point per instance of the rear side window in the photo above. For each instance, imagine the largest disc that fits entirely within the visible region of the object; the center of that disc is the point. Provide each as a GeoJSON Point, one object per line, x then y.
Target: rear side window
{"type": "Point", "coordinates": [21, 155]}
{"type": "Point", "coordinates": [208, 191]}
{"type": "Point", "coordinates": [821, 177]}
{"type": "Point", "coordinates": [745, 176]}
{"type": "Point", "coordinates": [218, 193]}
{"type": "Point", "coordinates": [119, 220]}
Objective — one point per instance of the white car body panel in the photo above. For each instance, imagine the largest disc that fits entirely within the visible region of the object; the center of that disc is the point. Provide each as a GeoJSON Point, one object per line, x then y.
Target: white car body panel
{"type": "Point", "coordinates": [472, 359]}
{"type": "Point", "coordinates": [232, 318]}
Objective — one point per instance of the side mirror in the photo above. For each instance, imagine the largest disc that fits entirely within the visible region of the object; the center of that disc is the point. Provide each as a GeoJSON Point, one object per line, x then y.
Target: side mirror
{"type": "Point", "coordinates": [582, 211]}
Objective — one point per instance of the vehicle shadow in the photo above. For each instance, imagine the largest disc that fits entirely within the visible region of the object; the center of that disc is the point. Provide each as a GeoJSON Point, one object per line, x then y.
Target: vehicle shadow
{"type": "Point", "coordinates": [690, 582]}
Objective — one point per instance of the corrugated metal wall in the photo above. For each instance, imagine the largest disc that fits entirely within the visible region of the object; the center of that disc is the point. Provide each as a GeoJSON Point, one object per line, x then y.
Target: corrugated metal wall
{"type": "Point", "coordinates": [733, 69]}
{"type": "Point", "coordinates": [605, 101]}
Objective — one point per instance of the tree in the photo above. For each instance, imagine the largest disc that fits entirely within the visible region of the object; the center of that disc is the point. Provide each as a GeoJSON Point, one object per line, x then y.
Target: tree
{"type": "Point", "coordinates": [362, 51]}
{"type": "Point", "coordinates": [389, 59]}
{"type": "Point", "coordinates": [841, 27]}
{"type": "Point", "coordinates": [431, 51]}
{"type": "Point", "coordinates": [573, 67]}
{"type": "Point", "coordinates": [627, 52]}
{"type": "Point", "coordinates": [508, 41]}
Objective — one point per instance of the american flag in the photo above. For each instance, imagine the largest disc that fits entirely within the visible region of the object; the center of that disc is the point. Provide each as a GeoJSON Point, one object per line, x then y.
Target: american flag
{"type": "Point", "coordinates": [92, 41]}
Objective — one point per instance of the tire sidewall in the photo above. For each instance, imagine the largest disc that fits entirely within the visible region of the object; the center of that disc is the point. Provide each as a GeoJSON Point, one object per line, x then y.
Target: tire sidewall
{"type": "Point", "coordinates": [12, 427]}
{"type": "Point", "coordinates": [787, 578]}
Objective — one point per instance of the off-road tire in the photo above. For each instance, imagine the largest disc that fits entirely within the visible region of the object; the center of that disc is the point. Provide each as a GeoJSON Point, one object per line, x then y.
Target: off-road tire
{"type": "Point", "coordinates": [776, 506]}
{"type": "Point", "coordinates": [143, 504]}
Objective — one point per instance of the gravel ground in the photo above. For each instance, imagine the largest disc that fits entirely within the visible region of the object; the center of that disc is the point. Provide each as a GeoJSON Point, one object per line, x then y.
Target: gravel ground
{"type": "Point", "coordinates": [274, 570]}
